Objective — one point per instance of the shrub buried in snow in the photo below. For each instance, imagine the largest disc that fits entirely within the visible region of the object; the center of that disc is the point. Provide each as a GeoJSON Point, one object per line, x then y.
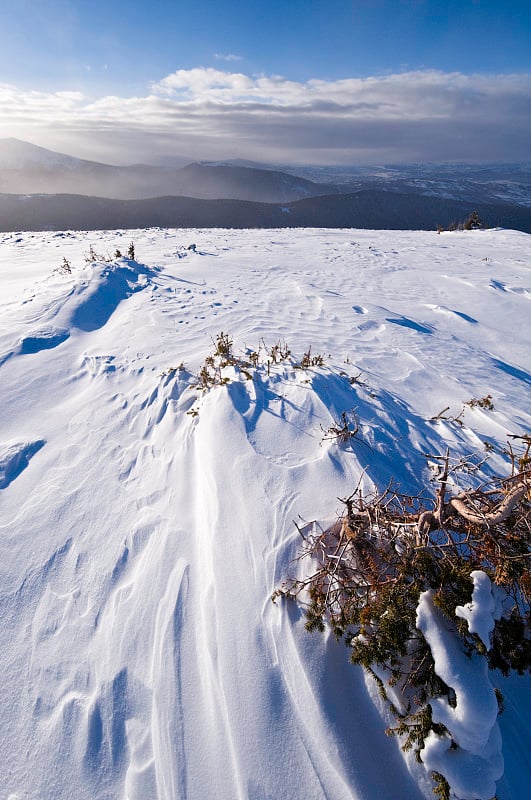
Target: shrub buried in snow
{"type": "Point", "coordinates": [424, 597]}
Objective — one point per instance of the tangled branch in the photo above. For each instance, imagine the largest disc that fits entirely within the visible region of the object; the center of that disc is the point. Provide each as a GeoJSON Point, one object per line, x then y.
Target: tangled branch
{"type": "Point", "coordinates": [372, 565]}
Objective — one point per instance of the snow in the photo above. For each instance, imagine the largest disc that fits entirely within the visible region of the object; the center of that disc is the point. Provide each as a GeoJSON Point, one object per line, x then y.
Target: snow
{"type": "Point", "coordinates": [474, 767]}
{"type": "Point", "coordinates": [144, 524]}
{"type": "Point", "coordinates": [14, 457]}
{"type": "Point", "coordinates": [484, 608]}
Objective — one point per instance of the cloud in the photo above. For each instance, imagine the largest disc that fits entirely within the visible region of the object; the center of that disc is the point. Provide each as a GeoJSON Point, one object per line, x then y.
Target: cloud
{"type": "Point", "coordinates": [228, 57]}
{"type": "Point", "coordinates": [210, 113]}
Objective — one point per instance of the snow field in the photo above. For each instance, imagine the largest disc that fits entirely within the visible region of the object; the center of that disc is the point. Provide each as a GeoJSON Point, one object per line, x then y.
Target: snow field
{"type": "Point", "coordinates": [144, 524]}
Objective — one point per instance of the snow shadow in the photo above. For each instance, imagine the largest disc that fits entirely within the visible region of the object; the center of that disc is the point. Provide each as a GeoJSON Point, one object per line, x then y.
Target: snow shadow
{"type": "Point", "coordinates": [115, 283]}
{"type": "Point", "coordinates": [106, 742]}
{"type": "Point", "coordinates": [242, 402]}
{"type": "Point", "coordinates": [514, 372]}
{"type": "Point", "coordinates": [389, 435]}
{"type": "Point", "coordinates": [405, 322]}
{"type": "Point", "coordinates": [14, 458]}
{"type": "Point", "coordinates": [390, 441]}
{"type": "Point", "coordinates": [464, 316]}
{"type": "Point", "coordinates": [45, 340]}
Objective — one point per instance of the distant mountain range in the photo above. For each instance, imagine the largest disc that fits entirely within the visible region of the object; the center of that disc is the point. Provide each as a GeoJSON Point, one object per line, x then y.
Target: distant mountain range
{"type": "Point", "coordinates": [28, 169]}
{"type": "Point", "coordinates": [475, 183]}
{"type": "Point", "coordinates": [41, 189]}
{"type": "Point", "coordinates": [372, 208]}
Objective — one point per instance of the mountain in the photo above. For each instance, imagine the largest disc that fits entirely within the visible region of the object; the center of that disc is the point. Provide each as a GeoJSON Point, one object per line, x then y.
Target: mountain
{"type": "Point", "coordinates": [28, 169]}
{"type": "Point", "coordinates": [473, 183]}
{"type": "Point", "coordinates": [374, 208]}
{"type": "Point", "coordinates": [365, 209]}
{"type": "Point", "coordinates": [234, 194]}
{"type": "Point", "coordinates": [220, 181]}
{"type": "Point", "coordinates": [18, 155]}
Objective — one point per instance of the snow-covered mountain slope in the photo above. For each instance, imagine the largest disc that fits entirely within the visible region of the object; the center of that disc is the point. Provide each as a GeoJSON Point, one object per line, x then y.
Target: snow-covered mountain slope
{"type": "Point", "coordinates": [144, 523]}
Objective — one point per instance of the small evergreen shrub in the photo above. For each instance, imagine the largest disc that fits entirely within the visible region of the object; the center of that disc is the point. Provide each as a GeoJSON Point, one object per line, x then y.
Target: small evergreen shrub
{"type": "Point", "coordinates": [65, 268]}
{"type": "Point", "coordinates": [248, 364]}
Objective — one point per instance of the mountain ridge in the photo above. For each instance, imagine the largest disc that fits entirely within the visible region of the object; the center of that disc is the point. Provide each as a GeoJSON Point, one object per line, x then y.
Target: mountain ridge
{"type": "Point", "coordinates": [29, 169]}
{"type": "Point", "coordinates": [368, 209]}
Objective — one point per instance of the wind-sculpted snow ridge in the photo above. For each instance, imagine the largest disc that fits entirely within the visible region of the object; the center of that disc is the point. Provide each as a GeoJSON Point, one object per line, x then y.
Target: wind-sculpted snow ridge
{"type": "Point", "coordinates": [14, 457]}
{"type": "Point", "coordinates": [145, 522]}
{"type": "Point", "coordinates": [85, 303]}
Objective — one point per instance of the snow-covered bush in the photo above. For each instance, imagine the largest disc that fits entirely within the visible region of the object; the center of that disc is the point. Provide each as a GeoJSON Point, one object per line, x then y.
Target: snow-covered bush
{"type": "Point", "coordinates": [428, 600]}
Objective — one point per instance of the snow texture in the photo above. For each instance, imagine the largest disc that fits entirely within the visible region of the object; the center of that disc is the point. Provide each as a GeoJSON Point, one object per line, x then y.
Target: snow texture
{"type": "Point", "coordinates": [145, 524]}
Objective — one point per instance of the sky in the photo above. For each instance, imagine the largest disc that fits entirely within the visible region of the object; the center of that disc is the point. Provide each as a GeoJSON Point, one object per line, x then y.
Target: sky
{"type": "Point", "coordinates": [335, 82]}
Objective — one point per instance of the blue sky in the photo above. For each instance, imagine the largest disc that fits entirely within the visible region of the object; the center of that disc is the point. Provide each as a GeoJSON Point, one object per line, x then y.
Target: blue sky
{"type": "Point", "coordinates": [62, 61]}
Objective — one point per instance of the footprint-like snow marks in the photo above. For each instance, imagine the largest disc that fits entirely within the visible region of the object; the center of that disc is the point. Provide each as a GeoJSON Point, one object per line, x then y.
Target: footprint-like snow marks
{"type": "Point", "coordinates": [14, 458]}
{"type": "Point", "coordinates": [107, 287]}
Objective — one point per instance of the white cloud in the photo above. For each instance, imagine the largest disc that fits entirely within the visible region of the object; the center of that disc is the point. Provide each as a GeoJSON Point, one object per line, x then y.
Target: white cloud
{"type": "Point", "coordinates": [211, 113]}
{"type": "Point", "coordinates": [228, 57]}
